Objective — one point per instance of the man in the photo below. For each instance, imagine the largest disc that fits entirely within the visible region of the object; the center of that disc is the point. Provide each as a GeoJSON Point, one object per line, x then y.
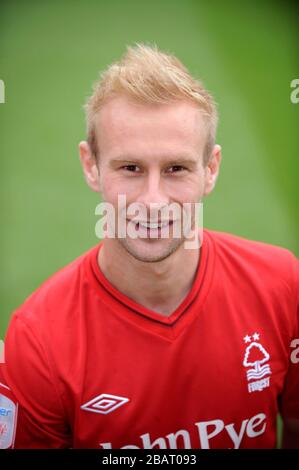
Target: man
{"type": "Point", "coordinates": [144, 342]}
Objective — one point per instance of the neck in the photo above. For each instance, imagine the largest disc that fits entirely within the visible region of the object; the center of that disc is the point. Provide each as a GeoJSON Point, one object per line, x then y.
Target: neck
{"type": "Point", "coordinates": [159, 286]}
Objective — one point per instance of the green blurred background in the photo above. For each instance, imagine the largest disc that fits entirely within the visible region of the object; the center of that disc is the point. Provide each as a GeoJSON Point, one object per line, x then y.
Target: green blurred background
{"type": "Point", "coordinates": [51, 52]}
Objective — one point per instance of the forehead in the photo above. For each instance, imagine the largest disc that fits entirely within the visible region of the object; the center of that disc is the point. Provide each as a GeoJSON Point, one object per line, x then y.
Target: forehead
{"type": "Point", "coordinates": [127, 126]}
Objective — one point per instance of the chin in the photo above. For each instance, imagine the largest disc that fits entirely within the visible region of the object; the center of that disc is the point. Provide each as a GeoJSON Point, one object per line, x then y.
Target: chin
{"type": "Point", "coordinates": [151, 251]}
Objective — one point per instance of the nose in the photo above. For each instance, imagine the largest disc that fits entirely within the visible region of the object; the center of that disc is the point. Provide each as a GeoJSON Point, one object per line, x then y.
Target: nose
{"type": "Point", "coordinates": [153, 194]}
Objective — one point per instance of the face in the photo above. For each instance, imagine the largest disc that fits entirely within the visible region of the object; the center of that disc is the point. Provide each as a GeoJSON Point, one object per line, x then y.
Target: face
{"type": "Point", "coordinates": [152, 154]}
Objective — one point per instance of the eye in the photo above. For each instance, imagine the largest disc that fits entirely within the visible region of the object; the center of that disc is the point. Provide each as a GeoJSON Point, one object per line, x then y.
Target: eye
{"type": "Point", "coordinates": [176, 169]}
{"type": "Point", "coordinates": [131, 168]}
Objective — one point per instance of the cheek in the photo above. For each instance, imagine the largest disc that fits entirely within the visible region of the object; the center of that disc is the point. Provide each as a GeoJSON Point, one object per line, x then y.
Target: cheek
{"type": "Point", "coordinates": [189, 190]}
{"type": "Point", "coordinates": [107, 181]}
{"type": "Point", "coordinates": [114, 183]}
{"type": "Point", "coordinates": [109, 189]}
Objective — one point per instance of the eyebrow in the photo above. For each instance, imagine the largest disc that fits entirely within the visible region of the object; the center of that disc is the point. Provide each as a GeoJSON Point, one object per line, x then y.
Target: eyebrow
{"type": "Point", "coordinates": [174, 161]}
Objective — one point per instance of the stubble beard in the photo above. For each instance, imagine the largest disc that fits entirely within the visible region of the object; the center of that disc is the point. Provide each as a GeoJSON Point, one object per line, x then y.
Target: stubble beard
{"type": "Point", "coordinates": [153, 250]}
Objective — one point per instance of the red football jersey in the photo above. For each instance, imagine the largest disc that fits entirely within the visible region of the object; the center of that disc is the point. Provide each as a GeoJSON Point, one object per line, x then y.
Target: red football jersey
{"type": "Point", "coordinates": [89, 367]}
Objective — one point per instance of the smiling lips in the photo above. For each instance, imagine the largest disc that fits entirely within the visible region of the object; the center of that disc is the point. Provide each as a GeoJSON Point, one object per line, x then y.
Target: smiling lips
{"type": "Point", "coordinates": [151, 227]}
{"type": "Point", "coordinates": [154, 225]}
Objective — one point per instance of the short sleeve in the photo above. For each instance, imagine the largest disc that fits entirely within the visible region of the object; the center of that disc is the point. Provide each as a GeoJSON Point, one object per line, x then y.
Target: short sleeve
{"type": "Point", "coordinates": [26, 374]}
{"type": "Point", "coordinates": [289, 403]}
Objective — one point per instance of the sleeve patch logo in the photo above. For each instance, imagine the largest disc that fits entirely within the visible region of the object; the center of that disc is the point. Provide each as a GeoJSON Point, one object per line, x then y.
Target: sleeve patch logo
{"type": "Point", "coordinates": [8, 418]}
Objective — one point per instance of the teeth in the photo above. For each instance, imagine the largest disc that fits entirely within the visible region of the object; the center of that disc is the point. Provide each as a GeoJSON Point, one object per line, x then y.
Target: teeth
{"type": "Point", "coordinates": [153, 225]}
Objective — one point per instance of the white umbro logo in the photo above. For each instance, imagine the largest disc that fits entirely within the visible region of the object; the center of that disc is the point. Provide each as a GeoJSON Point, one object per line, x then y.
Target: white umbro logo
{"type": "Point", "coordinates": [104, 403]}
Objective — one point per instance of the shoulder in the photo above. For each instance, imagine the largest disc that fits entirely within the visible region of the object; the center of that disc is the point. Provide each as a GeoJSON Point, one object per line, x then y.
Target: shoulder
{"type": "Point", "coordinates": [268, 264]}
{"type": "Point", "coordinates": [45, 332]}
{"type": "Point", "coordinates": [255, 251]}
{"type": "Point", "coordinates": [57, 295]}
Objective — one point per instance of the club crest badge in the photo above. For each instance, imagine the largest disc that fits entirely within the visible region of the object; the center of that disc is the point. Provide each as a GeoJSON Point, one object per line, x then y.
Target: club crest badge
{"type": "Point", "coordinates": [256, 362]}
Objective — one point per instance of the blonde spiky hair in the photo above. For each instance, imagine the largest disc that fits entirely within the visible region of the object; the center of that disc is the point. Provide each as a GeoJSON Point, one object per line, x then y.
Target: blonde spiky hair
{"type": "Point", "coordinates": [151, 76]}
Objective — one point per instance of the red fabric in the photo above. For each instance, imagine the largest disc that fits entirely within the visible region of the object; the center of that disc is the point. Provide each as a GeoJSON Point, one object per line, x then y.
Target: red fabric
{"type": "Point", "coordinates": [181, 378]}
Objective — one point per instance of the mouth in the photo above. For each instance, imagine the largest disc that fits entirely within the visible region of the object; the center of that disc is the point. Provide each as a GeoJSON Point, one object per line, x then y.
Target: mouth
{"type": "Point", "coordinates": [152, 229]}
{"type": "Point", "coordinates": [154, 225]}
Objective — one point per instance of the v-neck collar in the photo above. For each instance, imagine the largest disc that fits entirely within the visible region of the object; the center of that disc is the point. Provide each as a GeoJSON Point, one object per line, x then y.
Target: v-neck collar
{"type": "Point", "coordinates": [183, 315]}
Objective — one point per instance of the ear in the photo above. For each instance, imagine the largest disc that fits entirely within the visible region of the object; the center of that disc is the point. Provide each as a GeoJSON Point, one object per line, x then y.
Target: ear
{"type": "Point", "coordinates": [89, 166]}
{"type": "Point", "coordinates": [212, 170]}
